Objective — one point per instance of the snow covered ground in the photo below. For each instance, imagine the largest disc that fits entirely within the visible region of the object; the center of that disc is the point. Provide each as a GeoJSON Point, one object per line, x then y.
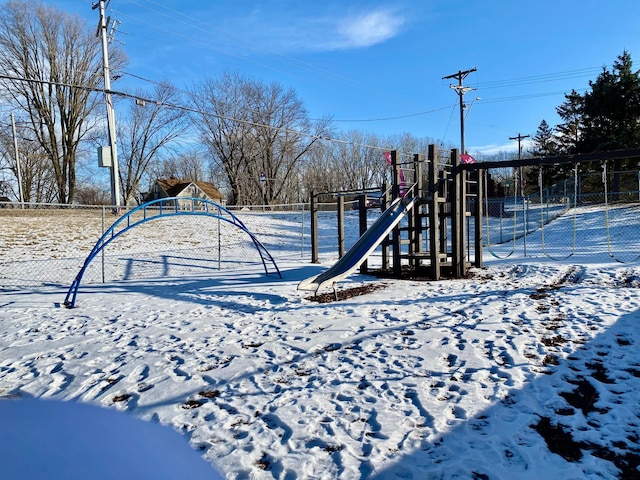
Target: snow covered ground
{"type": "Point", "coordinates": [529, 368]}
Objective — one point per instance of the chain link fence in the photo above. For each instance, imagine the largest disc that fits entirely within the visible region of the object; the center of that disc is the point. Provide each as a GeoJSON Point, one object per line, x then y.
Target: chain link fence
{"type": "Point", "coordinates": [594, 216]}
{"type": "Point", "coordinates": [48, 244]}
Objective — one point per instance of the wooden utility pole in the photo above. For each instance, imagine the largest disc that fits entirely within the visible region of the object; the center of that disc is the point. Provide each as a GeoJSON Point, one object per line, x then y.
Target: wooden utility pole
{"type": "Point", "coordinates": [459, 196]}
{"type": "Point", "coordinates": [519, 138]}
{"type": "Point", "coordinates": [111, 116]}
{"type": "Point", "coordinates": [18, 168]}
{"type": "Point", "coordinates": [461, 90]}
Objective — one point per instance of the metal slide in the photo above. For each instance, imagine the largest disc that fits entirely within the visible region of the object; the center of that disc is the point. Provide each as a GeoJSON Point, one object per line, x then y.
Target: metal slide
{"type": "Point", "coordinates": [361, 250]}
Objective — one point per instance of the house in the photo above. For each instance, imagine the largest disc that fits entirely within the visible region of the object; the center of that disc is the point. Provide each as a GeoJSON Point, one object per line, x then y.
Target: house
{"type": "Point", "coordinates": [173, 187]}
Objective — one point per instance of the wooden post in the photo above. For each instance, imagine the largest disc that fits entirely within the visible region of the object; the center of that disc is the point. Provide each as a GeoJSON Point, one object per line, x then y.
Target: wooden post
{"type": "Point", "coordinates": [395, 192]}
{"type": "Point", "coordinates": [458, 213]}
{"type": "Point", "coordinates": [385, 199]}
{"type": "Point", "coordinates": [434, 210]}
{"type": "Point", "coordinates": [340, 208]}
{"type": "Point", "coordinates": [362, 218]}
{"type": "Point", "coordinates": [478, 218]}
{"type": "Point", "coordinates": [314, 229]}
{"type": "Point", "coordinates": [417, 230]}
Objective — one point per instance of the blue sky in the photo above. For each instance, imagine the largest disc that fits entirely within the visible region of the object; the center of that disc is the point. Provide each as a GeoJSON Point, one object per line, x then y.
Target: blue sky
{"type": "Point", "coordinates": [377, 65]}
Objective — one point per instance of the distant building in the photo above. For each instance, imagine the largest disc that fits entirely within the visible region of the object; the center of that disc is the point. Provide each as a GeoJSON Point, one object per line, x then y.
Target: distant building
{"type": "Point", "coordinates": [173, 187]}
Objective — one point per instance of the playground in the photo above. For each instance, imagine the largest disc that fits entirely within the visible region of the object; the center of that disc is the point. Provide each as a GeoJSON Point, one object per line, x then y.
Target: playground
{"type": "Point", "coordinates": [524, 368]}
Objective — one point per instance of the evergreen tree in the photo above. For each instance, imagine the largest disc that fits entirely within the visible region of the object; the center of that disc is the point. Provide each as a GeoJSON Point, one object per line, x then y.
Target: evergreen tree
{"type": "Point", "coordinates": [606, 117]}
{"type": "Point", "coordinates": [569, 132]}
{"type": "Point", "coordinates": [545, 144]}
{"type": "Point", "coordinates": [611, 112]}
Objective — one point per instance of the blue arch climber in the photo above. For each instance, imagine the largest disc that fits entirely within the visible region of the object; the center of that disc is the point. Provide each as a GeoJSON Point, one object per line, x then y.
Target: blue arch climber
{"type": "Point", "coordinates": [162, 208]}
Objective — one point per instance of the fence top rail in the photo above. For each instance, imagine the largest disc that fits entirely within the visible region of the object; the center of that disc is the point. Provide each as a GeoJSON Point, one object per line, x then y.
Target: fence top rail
{"type": "Point", "coordinates": [344, 193]}
{"type": "Point", "coordinates": [576, 158]}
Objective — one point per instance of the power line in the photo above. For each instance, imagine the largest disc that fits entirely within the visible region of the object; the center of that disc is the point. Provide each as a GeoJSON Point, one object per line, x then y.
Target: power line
{"type": "Point", "coordinates": [542, 78]}
{"type": "Point", "coordinates": [194, 23]}
{"type": "Point", "coordinates": [198, 111]}
{"type": "Point", "coordinates": [409, 115]}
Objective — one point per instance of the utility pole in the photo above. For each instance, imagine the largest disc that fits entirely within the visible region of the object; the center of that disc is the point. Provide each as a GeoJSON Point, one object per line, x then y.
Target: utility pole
{"type": "Point", "coordinates": [519, 138]}
{"type": "Point", "coordinates": [458, 190]}
{"type": "Point", "coordinates": [111, 116]}
{"type": "Point", "coordinates": [461, 90]}
{"type": "Point", "coordinates": [18, 169]}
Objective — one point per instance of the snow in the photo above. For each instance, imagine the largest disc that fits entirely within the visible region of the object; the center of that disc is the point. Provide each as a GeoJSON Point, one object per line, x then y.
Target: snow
{"type": "Point", "coordinates": [448, 379]}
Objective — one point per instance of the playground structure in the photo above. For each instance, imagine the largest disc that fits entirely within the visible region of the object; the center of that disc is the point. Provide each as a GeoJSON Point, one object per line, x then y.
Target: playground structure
{"type": "Point", "coordinates": [433, 240]}
{"type": "Point", "coordinates": [164, 208]}
{"type": "Point", "coordinates": [443, 229]}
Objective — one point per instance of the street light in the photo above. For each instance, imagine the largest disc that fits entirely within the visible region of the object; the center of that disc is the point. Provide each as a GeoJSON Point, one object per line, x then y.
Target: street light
{"type": "Point", "coordinates": [470, 105]}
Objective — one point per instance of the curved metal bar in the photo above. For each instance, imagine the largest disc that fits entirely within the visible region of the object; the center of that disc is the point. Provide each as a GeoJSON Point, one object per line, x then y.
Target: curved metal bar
{"type": "Point", "coordinates": [124, 224]}
{"type": "Point", "coordinates": [606, 218]}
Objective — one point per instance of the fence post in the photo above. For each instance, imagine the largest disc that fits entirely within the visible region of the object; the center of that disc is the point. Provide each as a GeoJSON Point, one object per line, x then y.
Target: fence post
{"type": "Point", "coordinates": [314, 229]}
{"type": "Point", "coordinates": [340, 207]}
{"type": "Point", "coordinates": [302, 231]}
{"type": "Point", "coordinates": [102, 253]}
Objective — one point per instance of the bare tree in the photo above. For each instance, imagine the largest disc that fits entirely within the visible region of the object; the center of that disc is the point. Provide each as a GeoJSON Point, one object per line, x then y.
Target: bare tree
{"type": "Point", "coordinates": [92, 194]}
{"type": "Point", "coordinates": [320, 172]}
{"type": "Point", "coordinates": [189, 164]}
{"type": "Point", "coordinates": [360, 161]}
{"type": "Point", "coordinates": [50, 64]}
{"type": "Point", "coordinates": [148, 132]}
{"type": "Point", "coordinates": [36, 173]}
{"type": "Point", "coordinates": [259, 133]}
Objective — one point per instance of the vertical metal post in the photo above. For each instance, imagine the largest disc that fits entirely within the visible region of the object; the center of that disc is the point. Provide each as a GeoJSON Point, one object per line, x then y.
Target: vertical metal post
{"type": "Point", "coordinates": [314, 229]}
{"type": "Point", "coordinates": [302, 231]}
{"type": "Point", "coordinates": [102, 252]}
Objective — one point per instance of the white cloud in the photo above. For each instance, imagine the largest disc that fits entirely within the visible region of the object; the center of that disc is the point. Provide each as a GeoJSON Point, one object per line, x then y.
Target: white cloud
{"type": "Point", "coordinates": [369, 29]}
{"type": "Point", "coordinates": [338, 30]}
{"type": "Point", "coordinates": [509, 149]}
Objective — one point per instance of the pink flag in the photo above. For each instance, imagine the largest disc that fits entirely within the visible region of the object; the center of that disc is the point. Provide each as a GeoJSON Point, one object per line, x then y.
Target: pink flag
{"type": "Point", "coordinates": [464, 158]}
{"type": "Point", "coordinates": [403, 185]}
